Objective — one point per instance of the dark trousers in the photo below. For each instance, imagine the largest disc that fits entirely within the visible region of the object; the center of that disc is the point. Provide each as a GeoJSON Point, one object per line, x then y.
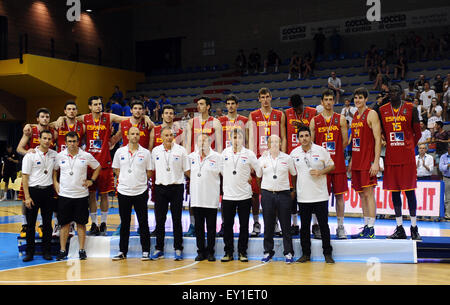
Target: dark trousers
{"type": "Point", "coordinates": [277, 204]}
{"type": "Point", "coordinates": [321, 211]}
{"type": "Point", "coordinates": [140, 206]}
{"type": "Point", "coordinates": [43, 199]}
{"type": "Point", "coordinates": [163, 195]}
{"type": "Point", "coordinates": [229, 208]}
{"type": "Point", "coordinates": [210, 216]}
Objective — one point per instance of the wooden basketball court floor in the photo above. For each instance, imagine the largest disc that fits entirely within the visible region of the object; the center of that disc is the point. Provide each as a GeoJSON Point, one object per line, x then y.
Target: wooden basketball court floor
{"type": "Point", "coordinates": [133, 271]}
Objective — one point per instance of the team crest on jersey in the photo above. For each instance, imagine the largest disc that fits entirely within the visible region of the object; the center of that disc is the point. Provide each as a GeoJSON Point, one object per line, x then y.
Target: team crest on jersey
{"type": "Point", "coordinates": [335, 120]}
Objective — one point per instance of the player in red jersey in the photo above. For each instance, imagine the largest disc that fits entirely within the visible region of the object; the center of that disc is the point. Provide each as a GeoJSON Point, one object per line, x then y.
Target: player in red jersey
{"type": "Point", "coordinates": [28, 142]}
{"type": "Point", "coordinates": [364, 165]}
{"type": "Point", "coordinates": [329, 129]}
{"type": "Point", "coordinates": [401, 129]}
{"type": "Point", "coordinates": [168, 114]}
{"type": "Point", "coordinates": [296, 116]}
{"type": "Point", "coordinates": [70, 124]}
{"type": "Point", "coordinates": [263, 123]}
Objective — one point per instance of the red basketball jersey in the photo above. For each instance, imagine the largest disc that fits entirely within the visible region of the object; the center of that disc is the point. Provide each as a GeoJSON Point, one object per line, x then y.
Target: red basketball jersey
{"type": "Point", "coordinates": [264, 127]}
{"type": "Point", "coordinates": [229, 125]}
{"type": "Point", "coordinates": [293, 120]}
{"type": "Point", "coordinates": [33, 142]}
{"type": "Point", "coordinates": [363, 142]}
{"type": "Point", "coordinates": [328, 134]}
{"type": "Point", "coordinates": [98, 133]}
{"type": "Point", "coordinates": [144, 132]}
{"type": "Point", "coordinates": [399, 134]}
{"type": "Point", "coordinates": [78, 128]}
{"type": "Point", "coordinates": [157, 140]}
{"type": "Point", "coordinates": [199, 127]}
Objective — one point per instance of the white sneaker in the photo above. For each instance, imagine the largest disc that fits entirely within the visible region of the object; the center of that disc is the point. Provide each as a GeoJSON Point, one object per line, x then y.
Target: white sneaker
{"type": "Point", "coordinates": [340, 232]}
{"type": "Point", "coordinates": [145, 256]}
{"type": "Point", "coordinates": [56, 231]}
{"type": "Point", "coordinates": [256, 229]}
{"type": "Point", "coordinates": [288, 258]}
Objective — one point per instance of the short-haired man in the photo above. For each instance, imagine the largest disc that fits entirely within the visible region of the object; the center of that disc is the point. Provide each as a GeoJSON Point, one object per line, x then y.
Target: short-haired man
{"type": "Point", "coordinates": [334, 83]}
{"type": "Point", "coordinates": [424, 163]}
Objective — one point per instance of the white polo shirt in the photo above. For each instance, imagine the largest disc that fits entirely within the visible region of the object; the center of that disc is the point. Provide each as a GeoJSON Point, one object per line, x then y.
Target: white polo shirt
{"type": "Point", "coordinates": [426, 97]}
{"type": "Point", "coordinates": [133, 170]}
{"type": "Point", "coordinates": [275, 172]}
{"type": "Point", "coordinates": [236, 173]}
{"type": "Point", "coordinates": [39, 167]}
{"type": "Point", "coordinates": [429, 162]}
{"type": "Point", "coordinates": [309, 188]}
{"type": "Point", "coordinates": [170, 165]}
{"type": "Point", "coordinates": [205, 179]}
{"type": "Point", "coordinates": [73, 172]}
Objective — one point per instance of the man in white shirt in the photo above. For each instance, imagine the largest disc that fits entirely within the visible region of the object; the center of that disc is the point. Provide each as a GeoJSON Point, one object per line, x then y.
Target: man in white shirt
{"type": "Point", "coordinates": [238, 163]}
{"type": "Point", "coordinates": [426, 134]}
{"type": "Point", "coordinates": [37, 182]}
{"type": "Point", "coordinates": [424, 163]}
{"type": "Point", "coordinates": [427, 95]}
{"type": "Point", "coordinates": [132, 165]}
{"type": "Point", "coordinates": [312, 163]}
{"type": "Point", "coordinates": [276, 198]}
{"type": "Point", "coordinates": [334, 83]}
{"type": "Point", "coordinates": [348, 111]}
{"type": "Point", "coordinates": [170, 162]}
{"type": "Point", "coordinates": [205, 167]}
{"type": "Point", "coordinates": [72, 188]}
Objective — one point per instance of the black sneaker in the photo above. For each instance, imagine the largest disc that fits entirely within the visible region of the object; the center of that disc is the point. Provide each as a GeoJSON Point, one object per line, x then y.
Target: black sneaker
{"type": "Point", "coordinates": [243, 258]}
{"type": "Point", "coordinates": [211, 258]}
{"type": "Point", "coordinates": [399, 233]}
{"type": "Point", "coordinates": [62, 255]}
{"type": "Point", "coordinates": [227, 258]}
{"type": "Point", "coordinates": [103, 229]}
{"type": "Point", "coordinates": [304, 259]}
{"type": "Point", "coordinates": [82, 254]}
{"type": "Point", "coordinates": [28, 258]}
{"type": "Point", "coordinates": [415, 233]}
{"type": "Point", "coordinates": [47, 256]}
{"type": "Point", "coordinates": [329, 259]}
{"type": "Point", "coordinates": [200, 258]}
{"type": "Point", "coordinates": [94, 231]}
{"type": "Point", "coordinates": [120, 256]}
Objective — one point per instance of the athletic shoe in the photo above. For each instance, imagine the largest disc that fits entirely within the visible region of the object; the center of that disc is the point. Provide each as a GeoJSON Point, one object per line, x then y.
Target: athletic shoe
{"type": "Point", "coordinates": [157, 254]}
{"type": "Point", "coordinates": [56, 230]}
{"type": "Point", "coordinates": [340, 232]}
{"type": "Point", "coordinates": [190, 232]}
{"type": "Point", "coordinates": [23, 232]}
{"type": "Point", "coordinates": [316, 232]}
{"type": "Point", "coordinates": [72, 229]}
{"type": "Point", "coordinates": [103, 229]}
{"type": "Point", "coordinates": [256, 230]}
{"type": "Point", "coordinates": [200, 257]}
{"type": "Point", "coordinates": [369, 233]}
{"type": "Point", "coordinates": [28, 258]}
{"type": "Point", "coordinates": [47, 256]}
{"type": "Point", "coordinates": [399, 233]}
{"type": "Point", "coordinates": [120, 256]}
{"type": "Point", "coordinates": [211, 258]}
{"type": "Point", "coordinates": [361, 234]}
{"type": "Point", "coordinates": [94, 231]}
{"type": "Point", "coordinates": [39, 231]}
{"type": "Point", "coordinates": [117, 231]}
{"type": "Point", "coordinates": [304, 259]}
{"type": "Point", "coordinates": [243, 258]}
{"type": "Point", "coordinates": [227, 258]}
{"type": "Point", "coordinates": [295, 230]}
{"type": "Point", "coordinates": [288, 258]}
{"type": "Point", "coordinates": [220, 233]}
{"type": "Point", "coordinates": [267, 258]}
{"type": "Point", "coordinates": [82, 254]}
{"type": "Point", "coordinates": [145, 256]}
{"type": "Point", "coordinates": [415, 233]}
{"type": "Point", "coordinates": [178, 255]}
{"type": "Point", "coordinates": [329, 259]}
{"type": "Point", "coordinates": [62, 255]}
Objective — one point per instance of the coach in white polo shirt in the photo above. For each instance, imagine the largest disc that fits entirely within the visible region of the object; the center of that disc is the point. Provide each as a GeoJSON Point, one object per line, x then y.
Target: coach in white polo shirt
{"type": "Point", "coordinates": [238, 162]}
{"type": "Point", "coordinates": [312, 163]}
{"type": "Point", "coordinates": [73, 192]}
{"type": "Point", "coordinates": [37, 169]}
{"type": "Point", "coordinates": [170, 162]}
{"type": "Point", "coordinates": [276, 197]}
{"type": "Point", "coordinates": [133, 165]}
{"type": "Point", "coordinates": [205, 167]}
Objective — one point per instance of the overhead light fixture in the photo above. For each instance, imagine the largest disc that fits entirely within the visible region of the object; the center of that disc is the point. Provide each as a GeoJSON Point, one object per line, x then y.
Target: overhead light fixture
{"type": "Point", "coordinates": [89, 10]}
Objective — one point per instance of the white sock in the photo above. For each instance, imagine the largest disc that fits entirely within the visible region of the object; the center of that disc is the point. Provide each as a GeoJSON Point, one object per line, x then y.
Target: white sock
{"type": "Point", "coordinates": [94, 217]}
{"type": "Point", "coordinates": [192, 220]}
{"type": "Point", "coordinates": [413, 221]}
{"type": "Point", "coordinates": [294, 219]}
{"type": "Point", "coordinates": [104, 217]}
{"type": "Point", "coordinates": [340, 221]}
{"type": "Point", "coordinates": [399, 220]}
{"type": "Point", "coordinates": [314, 219]}
{"type": "Point", "coordinates": [371, 222]}
{"type": "Point", "coordinates": [366, 221]}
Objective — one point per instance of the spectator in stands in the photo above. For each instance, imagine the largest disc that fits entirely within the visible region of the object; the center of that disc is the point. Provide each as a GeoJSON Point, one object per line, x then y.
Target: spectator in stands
{"type": "Point", "coordinates": [424, 163]}
{"type": "Point", "coordinates": [254, 61]}
{"type": "Point", "coordinates": [219, 113]}
{"type": "Point", "coordinates": [295, 66]}
{"type": "Point", "coordinates": [348, 111]}
{"type": "Point", "coordinates": [438, 86]}
{"type": "Point", "coordinates": [401, 67]}
{"type": "Point", "coordinates": [335, 40]}
{"type": "Point", "coordinates": [446, 97]}
{"type": "Point", "coordinates": [319, 43]}
{"type": "Point", "coordinates": [415, 45]}
{"type": "Point", "coordinates": [241, 62]}
{"type": "Point", "coordinates": [421, 111]}
{"type": "Point", "coordinates": [117, 95]}
{"type": "Point", "coordinates": [150, 105]}
{"type": "Point", "coordinates": [272, 60]}
{"type": "Point", "coordinates": [382, 76]}
{"type": "Point", "coordinates": [334, 83]}
{"type": "Point", "coordinates": [434, 113]}
{"type": "Point", "coordinates": [420, 83]}
{"type": "Point", "coordinates": [370, 57]}
{"type": "Point", "coordinates": [427, 95]}
{"type": "Point", "coordinates": [126, 108]}
{"type": "Point", "coordinates": [10, 161]}
{"type": "Point", "coordinates": [308, 65]}
{"type": "Point", "coordinates": [426, 134]}
{"type": "Point", "coordinates": [410, 92]}
{"type": "Point", "coordinates": [444, 168]}
{"type": "Point", "coordinates": [441, 138]}
{"type": "Point", "coordinates": [391, 47]}
{"type": "Point", "coordinates": [116, 108]}
{"type": "Point", "coordinates": [431, 46]}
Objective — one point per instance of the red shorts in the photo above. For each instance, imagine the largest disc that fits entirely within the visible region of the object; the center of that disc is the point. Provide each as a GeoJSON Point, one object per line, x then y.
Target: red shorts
{"type": "Point", "coordinates": [105, 181]}
{"type": "Point", "coordinates": [337, 183]}
{"type": "Point", "coordinates": [362, 179]}
{"type": "Point", "coordinates": [400, 177]}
